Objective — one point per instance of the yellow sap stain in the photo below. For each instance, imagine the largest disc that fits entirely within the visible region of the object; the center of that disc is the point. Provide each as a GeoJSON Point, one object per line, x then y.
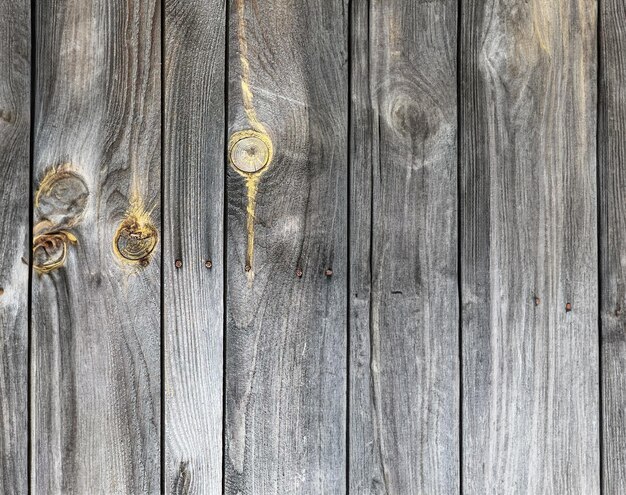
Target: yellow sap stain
{"type": "Point", "coordinates": [136, 236]}
{"type": "Point", "coordinates": [251, 150]}
{"type": "Point", "coordinates": [246, 92]}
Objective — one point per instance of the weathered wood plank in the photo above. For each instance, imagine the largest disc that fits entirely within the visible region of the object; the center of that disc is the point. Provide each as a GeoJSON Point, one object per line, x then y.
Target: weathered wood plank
{"type": "Point", "coordinates": [96, 288]}
{"type": "Point", "coordinates": [404, 371]}
{"type": "Point", "coordinates": [286, 315]}
{"type": "Point", "coordinates": [193, 234]}
{"type": "Point", "coordinates": [14, 227]}
{"type": "Point", "coordinates": [529, 247]}
{"type": "Point", "coordinates": [612, 201]}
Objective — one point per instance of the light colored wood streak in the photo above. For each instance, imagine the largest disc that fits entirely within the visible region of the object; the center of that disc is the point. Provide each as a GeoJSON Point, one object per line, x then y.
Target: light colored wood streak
{"type": "Point", "coordinates": [14, 226]}
{"type": "Point", "coordinates": [95, 324]}
{"type": "Point", "coordinates": [529, 247]}
{"type": "Point", "coordinates": [404, 365]}
{"type": "Point", "coordinates": [193, 195]}
{"type": "Point", "coordinates": [252, 177]}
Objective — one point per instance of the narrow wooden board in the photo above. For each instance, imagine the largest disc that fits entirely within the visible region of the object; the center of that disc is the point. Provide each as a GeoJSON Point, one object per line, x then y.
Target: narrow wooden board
{"type": "Point", "coordinates": [404, 361]}
{"type": "Point", "coordinates": [286, 335]}
{"type": "Point", "coordinates": [612, 201]}
{"type": "Point", "coordinates": [193, 198]}
{"type": "Point", "coordinates": [15, 37]}
{"type": "Point", "coordinates": [529, 247]}
{"type": "Point", "coordinates": [96, 319]}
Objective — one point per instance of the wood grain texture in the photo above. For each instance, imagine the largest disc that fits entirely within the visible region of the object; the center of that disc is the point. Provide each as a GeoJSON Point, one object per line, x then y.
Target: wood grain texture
{"type": "Point", "coordinates": [96, 320]}
{"type": "Point", "coordinates": [612, 201]}
{"type": "Point", "coordinates": [529, 247]}
{"type": "Point", "coordinates": [14, 226]}
{"type": "Point", "coordinates": [193, 233]}
{"type": "Point", "coordinates": [404, 371]}
{"type": "Point", "coordinates": [286, 336]}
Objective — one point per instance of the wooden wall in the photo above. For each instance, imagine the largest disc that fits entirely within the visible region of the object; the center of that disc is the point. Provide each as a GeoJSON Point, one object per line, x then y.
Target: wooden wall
{"type": "Point", "coordinates": [313, 246]}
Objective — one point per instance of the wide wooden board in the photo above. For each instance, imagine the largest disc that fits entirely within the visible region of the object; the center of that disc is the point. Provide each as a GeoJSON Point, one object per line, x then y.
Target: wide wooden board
{"type": "Point", "coordinates": [404, 315]}
{"type": "Point", "coordinates": [193, 195]}
{"type": "Point", "coordinates": [529, 247]}
{"type": "Point", "coordinates": [96, 311]}
{"type": "Point", "coordinates": [286, 334]}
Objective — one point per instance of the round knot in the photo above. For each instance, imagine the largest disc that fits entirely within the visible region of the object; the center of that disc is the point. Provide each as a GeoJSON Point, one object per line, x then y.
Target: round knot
{"type": "Point", "coordinates": [135, 241]}
{"type": "Point", "coordinates": [50, 250]}
{"type": "Point", "coordinates": [250, 151]}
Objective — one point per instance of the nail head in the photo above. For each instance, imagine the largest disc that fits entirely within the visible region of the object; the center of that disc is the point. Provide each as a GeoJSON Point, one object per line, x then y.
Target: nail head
{"type": "Point", "coordinates": [568, 307]}
{"type": "Point", "coordinates": [328, 272]}
{"type": "Point", "coordinates": [299, 272]}
{"type": "Point", "coordinates": [178, 263]}
{"type": "Point", "coordinates": [208, 264]}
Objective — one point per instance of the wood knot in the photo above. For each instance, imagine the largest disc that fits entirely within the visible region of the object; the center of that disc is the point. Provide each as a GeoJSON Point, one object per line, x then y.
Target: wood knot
{"type": "Point", "coordinates": [6, 115]}
{"type": "Point", "coordinates": [136, 237]}
{"type": "Point", "coordinates": [59, 203]}
{"type": "Point", "coordinates": [62, 196]}
{"type": "Point", "coordinates": [250, 151]}
{"type": "Point", "coordinates": [50, 250]}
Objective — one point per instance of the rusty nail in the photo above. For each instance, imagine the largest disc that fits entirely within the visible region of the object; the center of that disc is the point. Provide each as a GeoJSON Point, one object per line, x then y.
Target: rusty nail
{"type": "Point", "coordinates": [328, 272]}
{"type": "Point", "coordinates": [178, 263]}
{"type": "Point", "coordinates": [144, 262]}
{"type": "Point", "coordinates": [568, 307]}
{"type": "Point", "coordinates": [248, 268]}
{"type": "Point", "coordinates": [537, 301]}
{"type": "Point", "coordinates": [299, 272]}
{"type": "Point", "coordinates": [208, 264]}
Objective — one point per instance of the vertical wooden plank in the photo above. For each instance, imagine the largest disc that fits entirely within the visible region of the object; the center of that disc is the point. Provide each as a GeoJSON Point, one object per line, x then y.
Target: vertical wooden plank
{"type": "Point", "coordinates": [286, 232]}
{"type": "Point", "coordinates": [529, 247]}
{"type": "Point", "coordinates": [404, 372]}
{"type": "Point", "coordinates": [96, 288]}
{"type": "Point", "coordinates": [14, 224]}
{"type": "Point", "coordinates": [612, 201]}
{"type": "Point", "coordinates": [193, 235]}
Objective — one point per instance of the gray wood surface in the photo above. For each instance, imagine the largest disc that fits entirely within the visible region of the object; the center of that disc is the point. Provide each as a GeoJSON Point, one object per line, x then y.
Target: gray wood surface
{"type": "Point", "coordinates": [193, 194]}
{"type": "Point", "coordinates": [612, 201]}
{"type": "Point", "coordinates": [286, 335]}
{"type": "Point", "coordinates": [14, 227]}
{"type": "Point", "coordinates": [382, 274]}
{"type": "Point", "coordinates": [96, 311]}
{"type": "Point", "coordinates": [529, 247]}
{"type": "Point", "coordinates": [404, 315]}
